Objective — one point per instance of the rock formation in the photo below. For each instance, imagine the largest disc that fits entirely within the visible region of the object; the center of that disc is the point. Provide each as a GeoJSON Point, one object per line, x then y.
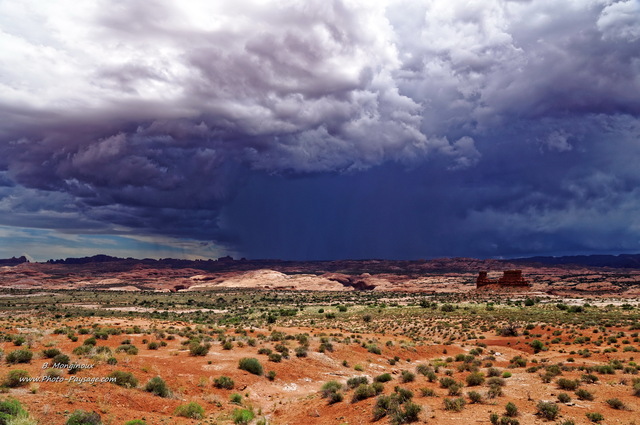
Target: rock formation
{"type": "Point", "coordinates": [510, 278]}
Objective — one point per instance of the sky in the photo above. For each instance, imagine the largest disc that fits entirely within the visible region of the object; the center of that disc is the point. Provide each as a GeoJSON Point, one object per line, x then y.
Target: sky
{"type": "Point", "coordinates": [319, 129]}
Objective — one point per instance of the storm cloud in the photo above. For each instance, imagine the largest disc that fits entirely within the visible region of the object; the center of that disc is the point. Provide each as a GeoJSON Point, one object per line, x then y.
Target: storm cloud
{"type": "Point", "coordinates": [325, 129]}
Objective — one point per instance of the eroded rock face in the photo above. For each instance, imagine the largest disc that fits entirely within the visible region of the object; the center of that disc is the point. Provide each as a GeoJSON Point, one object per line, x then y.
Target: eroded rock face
{"type": "Point", "coordinates": [510, 278]}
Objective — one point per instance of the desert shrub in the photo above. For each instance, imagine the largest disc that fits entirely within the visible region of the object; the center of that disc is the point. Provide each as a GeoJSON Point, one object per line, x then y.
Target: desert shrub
{"type": "Point", "coordinates": [335, 397]}
{"type": "Point", "coordinates": [567, 384]}
{"type": "Point", "coordinates": [594, 416]}
{"type": "Point", "coordinates": [251, 365]}
{"type": "Point", "coordinates": [235, 398]}
{"type": "Point", "coordinates": [357, 380]}
{"type": "Point", "coordinates": [135, 422]}
{"type": "Point", "coordinates": [583, 394]}
{"type": "Point", "coordinates": [385, 377]}
{"type": "Point", "coordinates": [62, 359]}
{"type": "Point", "coordinates": [330, 387]}
{"type": "Point", "coordinates": [242, 416]}
{"type": "Point", "coordinates": [301, 351]}
{"type": "Point", "coordinates": [197, 349]}
{"type": "Point", "coordinates": [509, 330]}
{"type": "Point", "coordinates": [408, 413]}
{"type": "Point", "coordinates": [22, 419]}
{"type": "Point", "coordinates": [275, 357]}
{"type": "Point", "coordinates": [446, 382]}
{"type": "Point", "coordinates": [589, 378]}
{"type": "Point", "coordinates": [9, 409]}
{"type": "Point", "coordinates": [493, 371]}
{"type": "Point", "coordinates": [494, 418]}
{"type": "Point", "coordinates": [16, 378]}
{"type": "Point", "coordinates": [19, 356]}
{"type": "Point", "coordinates": [190, 410]}
{"type": "Point", "coordinates": [90, 341]}
{"type": "Point", "coordinates": [271, 375]}
{"type": "Point", "coordinates": [124, 379]}
{"type": "Point", "coordinates": [50, 353]}
{"type": "Point", "coordinates": [548, 410]}
{"type": "Point", "coordinates": [427, 392]}
{"type": "Point", "coordinates": [362, 392]}
{"type": "Point", "coordinates": [518, 361]}
{"type": "Point", "coordinates": [423, 369]}
{"type": "Point", "coordinates": [616, 403]}
{"type": "Point", "coordinates": [537, 346]}
{"type": "Point", "coordinates": [407, 376]}
{"type": "Point", "coordinates": [511, 409]}
{"type": "Point", "coordinates": [636, 388]}
{"type": "Point", "coordinates": [153, 345]}
{"type": "Point", "coordinates": [474, 396]}
{"type": "Point", "coordinates": [374, 349]}
{"type": "Point", "coordinates": [475, 379]}
{"type": "Point", "coordinates": [454, 404]}
{"type": "Point", "coordinates": [128, 349]}
{"type": "Point", "coordinates": [157, 386]}
{"type": "Point", "coordinates": [564, 398]}
{"type": "Point", "coordinates": [224, 382]}
{"type": "Point", "coordinates": [82, 350]}
{"type": "Point", "coordinates": [81, 417]}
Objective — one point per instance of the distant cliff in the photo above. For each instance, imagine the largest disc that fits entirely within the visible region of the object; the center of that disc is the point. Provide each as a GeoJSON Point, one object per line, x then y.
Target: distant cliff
{"type": "Point", "coordinates": [13, 261]}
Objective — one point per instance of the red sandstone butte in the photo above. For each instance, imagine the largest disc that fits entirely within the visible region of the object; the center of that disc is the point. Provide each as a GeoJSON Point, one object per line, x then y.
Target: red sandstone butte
{"type": "Point", "coordinates": [510, 278]}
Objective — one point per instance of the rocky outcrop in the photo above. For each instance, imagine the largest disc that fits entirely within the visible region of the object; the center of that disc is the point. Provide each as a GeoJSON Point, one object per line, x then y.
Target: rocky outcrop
{"type": "Point", "coordinates": [510, 278]}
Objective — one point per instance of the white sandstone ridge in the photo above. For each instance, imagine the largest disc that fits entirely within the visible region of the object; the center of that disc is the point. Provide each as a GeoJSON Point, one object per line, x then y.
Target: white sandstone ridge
{"type": "Point", "coordinates": [271, 279]}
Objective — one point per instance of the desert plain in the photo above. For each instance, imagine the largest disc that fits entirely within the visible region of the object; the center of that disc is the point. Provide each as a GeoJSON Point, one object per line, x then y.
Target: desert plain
{"type": "Point", "coordinates": [133, 342]}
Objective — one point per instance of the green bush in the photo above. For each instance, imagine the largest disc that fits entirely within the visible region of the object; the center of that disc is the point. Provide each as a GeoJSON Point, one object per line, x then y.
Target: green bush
{"type": "Point", "coordinates": [407, 376]}
{"type": "Point", "coordinates": [81, 417]}
{"type": "Point", "coordinates": [564, 398]}
{"type": "Point", "coordinates": [362, 392]}
{"type": "Point", "coordinates": [197, 349]}
{"type": "Point", "coordinates": [357, 380]}
{"type": "Point", "coordinates": [583, 394]}
{"type": "Point", "coordinates": [50, 353]}
{"type": "Point", "coordinates": [567, 384]}
{"type": "Point", "coordinates": [475, 379]}
{"type": "Point", "coordinates": [548, 410]}
{"type": "Point", "coordinates": [385, 377]}
{"type": "Point", "coordinates": [124, 379]}
{"type": "Point", "coordinates": [190, 410]}
{"type": "Point", "coordinates": [616, 403]}
{"type": "Point", "coordinates": [511, 409]}
{"type": "Point", "coordinates": [135, 422]}
{"type": "Point", "coordinates": [157, 386]}
{"type": "Point", "coordinates": [9, 409]}
{"type": "Point", "coordinates": [454, 404]}
{"type": "Point", "coordinates": [474, 397]}
{"type": "Point", "coordinates": [594, 416]}
{"type": "Point", "coordinates": [235, 398]}
{"type": "Point", "coordinates": [19, 356]}
{"type": "Point", "coordinates": [127, 348]}
{"type": "Point", "coordinates": [22, 419]}
{"type": "Point", "coordinates": [224, 382]}
{"type": "Point", "coordinates": [242, 416]}
{"type": "Point", "coordinates": [62, 359]}
{"type": "Point", "coordinates": [16, 378]}
{"type": "Point", "coordinates": [251, 365]}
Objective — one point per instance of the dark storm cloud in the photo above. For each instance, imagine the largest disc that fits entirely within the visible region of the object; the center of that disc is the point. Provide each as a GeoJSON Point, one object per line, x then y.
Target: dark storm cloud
{"type": "Point", "coordinates": [152, 116]}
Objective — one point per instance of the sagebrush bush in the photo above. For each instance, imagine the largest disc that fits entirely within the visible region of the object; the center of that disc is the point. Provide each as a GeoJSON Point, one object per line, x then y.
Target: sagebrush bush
{"type": "Point", "coordinates": [224, 382]}
{"type": "Point", "coordinates": [81, 417]}
{"type": "Point", "coordinates": [16, 378]}
{"type": "Point", "coordinates": [190, 410]}
{"type": "Point", "coordinates": [19, 356]}
{"type": "Point", "coordinates": [124, 379]}
{"type": "Point", "coordinates": [157, 386]}
{"type": "Point", "coordinates": [251, 365]}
